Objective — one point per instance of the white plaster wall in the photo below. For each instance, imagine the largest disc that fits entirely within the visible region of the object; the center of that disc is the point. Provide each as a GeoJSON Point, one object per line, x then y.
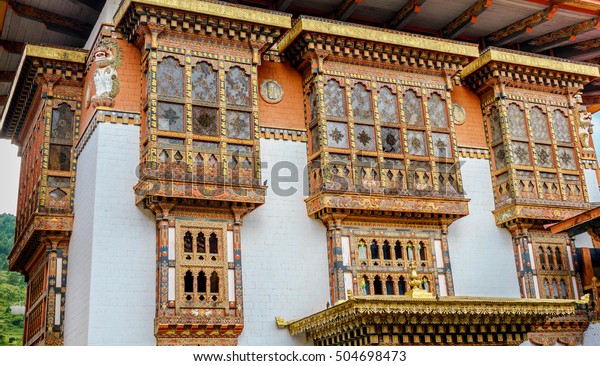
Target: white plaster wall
{"type": "Point", "coordinates": [583, 240]}
{"type": "Point", "coordinates": [284, 255]}
{"type": "Point", "coordinates": [592, 185]}
{"type": "Point", "coordinates": [77, 301]}
{"type": "Point", "coordinates": [120, 253]}
{"type": "Point", "coordinates": [591, 337]}
{"type": "Point", "coordinates": [481, 253]}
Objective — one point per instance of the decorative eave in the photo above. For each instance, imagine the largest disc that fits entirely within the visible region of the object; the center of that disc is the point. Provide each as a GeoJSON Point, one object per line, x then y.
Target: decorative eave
{"type": "Point", "coordinates": [528, 68]}
{"type": "Point", "coordinates": [219, 19]}
{"type": "Point", "coordinates": [578, 224]}
{"type": "Point", "coordinates": [445, 208]}
{"type": "Point", "coordinates": [27, 244]}
{"type": "Point", "coordinates": [69, 63]}
{"type": "Point", "coordinates": [447, 320]}
{"type": "Point", "coordinates": [375, 44]}
{"type": "Point", "coordinates": [542, 213]}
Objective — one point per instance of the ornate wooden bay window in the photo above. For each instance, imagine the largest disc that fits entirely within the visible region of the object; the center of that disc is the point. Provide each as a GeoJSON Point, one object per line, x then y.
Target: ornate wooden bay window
{"type": "Point", "coordinates": [530, 107]}
{"type": "Point", "coordinates": [200, 155]}
{"type": "Point", "coordinates": [42, 118]}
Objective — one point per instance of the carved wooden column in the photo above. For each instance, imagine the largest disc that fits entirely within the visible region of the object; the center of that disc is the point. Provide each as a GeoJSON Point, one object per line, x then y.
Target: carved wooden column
{"type": "Point", "coordinates": [56, 251]}
{"type": "Point", "coordinates": [334, 241]}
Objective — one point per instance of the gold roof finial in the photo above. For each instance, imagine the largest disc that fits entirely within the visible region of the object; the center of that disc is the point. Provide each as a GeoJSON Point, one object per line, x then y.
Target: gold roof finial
{"type": "Point", "coordinates": [415, 284]}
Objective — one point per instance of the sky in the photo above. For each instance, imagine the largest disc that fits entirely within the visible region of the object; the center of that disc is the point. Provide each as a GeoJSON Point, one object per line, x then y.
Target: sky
{"type": "Point", "coordinates": [10, 165]}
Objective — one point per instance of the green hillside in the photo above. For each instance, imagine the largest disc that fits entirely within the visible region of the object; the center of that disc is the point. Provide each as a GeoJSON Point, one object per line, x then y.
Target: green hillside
{"type": "Point", "coordinates": [12, 287]}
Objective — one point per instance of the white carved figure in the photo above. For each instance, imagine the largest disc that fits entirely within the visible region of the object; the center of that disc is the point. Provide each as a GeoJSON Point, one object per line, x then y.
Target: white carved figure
{"type": "Point", "coordinates": [106, 79]}
{"type": "Point", "coordinates": [585, 124]}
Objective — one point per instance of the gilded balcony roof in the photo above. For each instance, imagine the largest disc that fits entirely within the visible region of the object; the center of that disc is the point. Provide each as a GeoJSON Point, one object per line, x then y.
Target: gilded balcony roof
{"type": "Point", "coordinates": [367, 33]}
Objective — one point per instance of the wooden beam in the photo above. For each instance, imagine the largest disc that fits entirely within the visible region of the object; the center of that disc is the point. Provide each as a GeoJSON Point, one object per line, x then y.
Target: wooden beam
{"type": "Point", "coordinates": [282, 5]}
{"type": "Point", "coordinates": [345, 9]}
{"type": "Point", "coordinates": [562, 36]}
{"type": "Point", "coordinates": [466, 19]}
{"type": "Point", "coordinates": [12, 47]}
{"type": "Point", "coordinates": [52, 21]}
{"type": "Point", "coordinates": [404, 15]}
{"type": "Point", "coordinates": [580, 51]}
{"type": "Point", "coordinates": [7, 76]}
{"type": "Point", "coordinates": [525, 25]}
{"type": "Point", "coordinates": [96, 5]}
{"type": "Point", "coordinates": [3, 99]}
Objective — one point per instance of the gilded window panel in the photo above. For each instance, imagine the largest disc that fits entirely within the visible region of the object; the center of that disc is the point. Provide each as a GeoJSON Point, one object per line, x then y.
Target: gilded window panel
{"type": "Point", "coordinates": [170, 117]}
{"type": "Point", "coordinates": [388, 106]}
{"type": "Point", "coordinates": [334, 100]}
{"type": "Point", "coordinates": [337, 134]}
{"type": "Point", "coordinates": [204, 83]}
{"type": "Point", "coordinates": [442, 147]}
{"type": "Point", "coordinates": [437, 111]}
{"type": "Point", "coordinates": [495, 125]}
{"type": "Point", "coordinates": [417, 143]}
{"type": "Point", "coordinates": [544, 156]}
{"type": "Point", "coordinates": [500, 156]}
{"type": "Point", "coordinates": [169, 76]}
{"type": "Point", "coordinates": [62, 122]}
{"type": "Point", "coordinates": [237, 87]}
{"type": "Point", "coordinates": [238, 125]}
{"type": "Point", "coordinates": [413, 110]}
{"type": "Point", "coordinates": [561, 127]}
{"type": "Point", "coordinates": [516, 122]}
{"type": "Point", "coordinates": [391, 140]}
{"type": "Point", "coordinates": [364, 137]}
{"type": "Point", "coordinates": [362, 108]}
{"type": "Point", "coordinates": [539, 127]}
{"type": "Point", "coordinates": [566, 158]}
{"type": "Point", "coordinates": [521, 153]}
{"type": "Point", "coordinates": [205, 121]}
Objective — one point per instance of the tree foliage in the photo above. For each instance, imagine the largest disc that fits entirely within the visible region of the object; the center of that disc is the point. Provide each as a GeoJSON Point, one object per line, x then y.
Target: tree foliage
{"type": "Point", "coordinates": [12, 287]}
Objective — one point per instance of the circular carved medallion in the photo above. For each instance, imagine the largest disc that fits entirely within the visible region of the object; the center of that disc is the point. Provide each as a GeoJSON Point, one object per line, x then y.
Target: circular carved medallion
{"type": "Point", "coordinates": [271, 91]}
{"type": "Point", "coordinates": [459, 114]}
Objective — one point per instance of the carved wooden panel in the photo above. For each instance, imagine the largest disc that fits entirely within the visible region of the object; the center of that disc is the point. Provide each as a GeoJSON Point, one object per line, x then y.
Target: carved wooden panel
{"type": "Point", "coordinates": [337, 134]}
{"type": "Point", "coordinates": [170, 117]}
{"type": "Point", "coordinates": [169, 78]}
{"type": "Point", "coordinates": [361, 103]}
{"type": "Point", "coordinates": [561, 127]}
{"type": "Point", "coordinates": [237, 87]}
{"type": "Point", "coordinates": [390, 138]}
{"type": "Point", "coordinates": [437, 111]}
{"type": "Point", "coordinates": [313, 104]}
{"type": "Point", "coordinates": [238, 125]}
{"type": "Point", "coordinates": [365, 137]}
{"type": "Point", "coordinates": [495, 125]}
{"type": "Point", "coordinates": [205, 121]}
{"type": "Point", "coordinates": [334, 100]}
{"type": "Point", "coordinates": [521, 153]}
{"type": "Point", "coordinates": [566, 158]}
{"type": "Point", "coordinates": [62, 122]}
{"type": "Point", "coordinates": [388, 106]}
{"type": "Point", "coordinates": [204, 83]}
{"type": "Point", "coordinates": [413, 110]}
{"type": "Point", "coordinates": [500, 156]}
{"type": "Point", "coordinates": [442, 147]}
{"type": "Point", "coordinates": [539, 127]}
{"type": "Point", "coordinates": [417, 143]}
{"type": "Point", "coordinates": [516, 122]}
{"type": "Point", "coordinates": [59, 157]}
{"type": "Point", "coordinates": [544, 156]}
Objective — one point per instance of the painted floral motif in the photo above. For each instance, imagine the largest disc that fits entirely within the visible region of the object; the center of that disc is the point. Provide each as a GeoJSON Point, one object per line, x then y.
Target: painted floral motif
{"type": "Point", "coordinates": [388, 109]}
{"type": "Point", "coordinates": [437, 111]}
{"type": "Point", "coordinates": [391, 140]}
{"type": "Point", "coordinates": [237, 87]}
{"type": "Point", "coordinates": [337, 134]}
{"type": "Point", "coordinates": [567, 160]}
{"type": "Point", "coordinates": [516, 122]}
{"type": "Point", "coordinates": [417, 143]}
{"type": "Point", "coordinates": [361, 103]}
{"type": "Point", "coordinates": [170, 117]}
{"type": "Point", "coordinates": [413, 111]}
{"type": "Point", "coordinates": [561, 126]}
{"type": "Point", "coordinates": [238, 125]}
{"type": "Point", "coordinates": [169, 76]}
{"type": "Point", "coordinates": [544, 156]}
{"type": "Point", "coordinates": [204, 83]}
{"type": "Point", "coordinates": [495, 125]}
{"type": "Point", "coordinates": [539, 127]}
{"type": "Point", "coordinates": [441, 145]}
{"type": "Point", "coordinates": [334, 99]}
{"type": "Point", "coordinates": [365, 139]}
{"type": "Point", "coordinates": [204, 121]}
{"type": "Point", "coordinates": [521, 153]}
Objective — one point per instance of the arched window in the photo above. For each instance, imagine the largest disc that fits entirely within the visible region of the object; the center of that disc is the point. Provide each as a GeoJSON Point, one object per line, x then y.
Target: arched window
{"type": "Point", "coordinates": [201, 282]}
{"type": "Point", "coordinates": [374, 250]}
{"type": "Point", "coordinates": [62, 122]}
{"type": "Point", "coordinates": [387, 250]}
{"type": "Point", "coordinates": [554, 289]}
{"type": "Point", "coordinates": [563, 289]}
{"type": "Point", "coordinates": [200, 243]}
{"type": "Point", "coordinates": [187, 242]}
{"type": "Point", "coordinates": [410, 254]}
{"type": "Point", "coordinates": [366, 285]}
{"type": "Point", "coordinates": [401, 286]}
{"type": "Point", "coordinates": [550, 258]}
{"type": "Point", "coordinates": [214, 282]}
{"type": "Point", "coordinates": [170, 79]}
{"type": "Point", "coordinates": [377, 286]}
{"type": "Point", "coordinates": [362, 250]}
{"type": "Point", "coordinates": [558, 259]}
{"type": "Point", "coordinates": [425, 284]}
{"type": "Point", "coordinates": [398, 250]}
{"type": "Point", "coordinates": [213, 243]}
{"type": "Point", "coordinates": [547, 289]}
{"type": "Point", "coordinates": [389, 286]}
{"type": "Point", "coordinates": [542, 257]}
{"type": "Point", "coordinates": [422, 252]}
{"type": "Point", "coordinates": [188, 282]}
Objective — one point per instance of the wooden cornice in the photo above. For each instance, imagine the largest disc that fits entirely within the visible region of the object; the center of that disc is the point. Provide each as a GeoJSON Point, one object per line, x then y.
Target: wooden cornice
{"type": "Point", "coordinates": [466, 19]}
{"type": "Point", "coordinates": [404, 15]}
{"type": "Point", "coordinates": [52, 21]}
{"type": "Point", "coordinates": [525, 25]}
{"type": "Point", "coordinates": [345, 9]}
{"type": "Point", "coordinates": [562, 36]}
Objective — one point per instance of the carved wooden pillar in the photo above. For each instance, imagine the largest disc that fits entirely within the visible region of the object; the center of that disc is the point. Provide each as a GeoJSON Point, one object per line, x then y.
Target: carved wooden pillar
{"type": "Point", "coordinates": [524, 261]}
{"type": "Point", "coordinates": [56, 251]}
{"type": "Point", "coordinates": [163, 259]}
{"type": "Point", "coordinates": [336, 271]}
